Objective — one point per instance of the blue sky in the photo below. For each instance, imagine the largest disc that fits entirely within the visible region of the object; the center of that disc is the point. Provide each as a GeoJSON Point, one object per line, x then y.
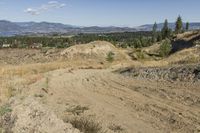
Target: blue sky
{"type": "Point", "coordinates": [100, 12]}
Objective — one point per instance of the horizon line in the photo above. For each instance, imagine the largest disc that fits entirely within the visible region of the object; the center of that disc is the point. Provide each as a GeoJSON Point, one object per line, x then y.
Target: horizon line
{"type": "Point", "coordinates": [120, 26]}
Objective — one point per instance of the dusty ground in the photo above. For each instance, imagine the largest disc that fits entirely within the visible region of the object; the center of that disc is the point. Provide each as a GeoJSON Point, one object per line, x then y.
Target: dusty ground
{"type": "Point", "coordinates": [93, 89]}
{"type": "Point", "coordinates": [134, 105]}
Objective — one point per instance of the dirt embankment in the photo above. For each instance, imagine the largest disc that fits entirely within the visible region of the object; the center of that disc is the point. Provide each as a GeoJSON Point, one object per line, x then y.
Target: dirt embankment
{"type": "Point", "coordinates": [97, 50]}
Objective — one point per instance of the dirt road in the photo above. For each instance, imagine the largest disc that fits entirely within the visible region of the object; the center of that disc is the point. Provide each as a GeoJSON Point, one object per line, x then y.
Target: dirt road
{"type": "Point", "coordinates": [133, 105]}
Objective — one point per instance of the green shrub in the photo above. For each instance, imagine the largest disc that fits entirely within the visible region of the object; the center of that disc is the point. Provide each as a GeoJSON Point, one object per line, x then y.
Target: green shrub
{"type": "Point", "coordinates": [110, 57]}
{"type": "Point", "coordinates": [165, 48]}
{"type": "Point", "coordinates": [5, 109]}
{"type": "Point", "coordinates": [140, 55]}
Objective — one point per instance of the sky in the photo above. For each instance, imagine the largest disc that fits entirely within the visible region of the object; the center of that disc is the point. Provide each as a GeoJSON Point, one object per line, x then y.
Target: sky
{"type": "Point", "coordinates": [100, 12]}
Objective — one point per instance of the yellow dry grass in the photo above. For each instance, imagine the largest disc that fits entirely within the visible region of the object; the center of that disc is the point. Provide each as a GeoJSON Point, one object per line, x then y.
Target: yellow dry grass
{"type": "Point", "coordinates": [31, 73]}
{"type": "Point", "coordinates": [188, 35]}
{"type": "Point", "coordinates": [186, 56]}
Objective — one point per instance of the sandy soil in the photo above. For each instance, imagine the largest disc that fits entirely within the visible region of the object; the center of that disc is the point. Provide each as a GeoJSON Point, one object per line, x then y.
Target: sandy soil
{"type": "Point", "coordinates": [135, 105]}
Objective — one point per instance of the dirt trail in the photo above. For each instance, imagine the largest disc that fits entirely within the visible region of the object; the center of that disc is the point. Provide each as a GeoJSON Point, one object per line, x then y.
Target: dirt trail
{"type": "Point", "coordinates": [132, 104]}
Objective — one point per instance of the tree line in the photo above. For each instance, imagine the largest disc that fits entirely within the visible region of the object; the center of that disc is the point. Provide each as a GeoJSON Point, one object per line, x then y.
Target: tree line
{"type": "Point", "coordinates": [121, 39]}
{"type": "Point", "coordinates": [166, 32]}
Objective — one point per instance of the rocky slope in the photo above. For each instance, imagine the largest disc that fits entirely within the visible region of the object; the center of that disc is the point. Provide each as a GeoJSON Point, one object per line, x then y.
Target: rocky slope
{"type": "Point", "coordinates": [188, 73]}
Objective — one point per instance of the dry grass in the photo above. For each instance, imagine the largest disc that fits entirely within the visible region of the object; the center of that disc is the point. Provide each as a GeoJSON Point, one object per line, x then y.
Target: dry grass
{"type": "Point", "coordinates": [31, 73]}
{"type": "Point", "coordinates": [7, 88]}
{"type": "Point", "coordinates": [116, 128]}
{"type": "Point", "coordinates": [45, 67]}
{"type": "Point", "coordinates": [77, 110]}
{"type": "Point", "coordinates": [86, 125]}
{"type": "Point", "coordinates": [186, 56]}
{"type": "Point", "coordinates": [188, 35]}
{"type": "Point", "coordinates": [31, 69]}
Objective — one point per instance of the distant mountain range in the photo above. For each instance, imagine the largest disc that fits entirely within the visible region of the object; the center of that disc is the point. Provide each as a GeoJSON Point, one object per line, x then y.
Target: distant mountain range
{"type": "Point", "coordinates": [8, 28]}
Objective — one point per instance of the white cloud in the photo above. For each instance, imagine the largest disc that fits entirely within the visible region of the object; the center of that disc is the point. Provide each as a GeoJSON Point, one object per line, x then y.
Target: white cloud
{"type": "Point", "coordinates": [43, 8]}
{"type": "Point", "coordinates": [32, 11]}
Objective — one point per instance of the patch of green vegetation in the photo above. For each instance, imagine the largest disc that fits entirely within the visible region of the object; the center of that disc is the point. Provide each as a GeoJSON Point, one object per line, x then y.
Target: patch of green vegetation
{"type": "Point", "coordinates": [138, 54]}
{"type": "Point", "coordinates": [110, 57]}
{"type": "Point", "coordinates": [121, 39]}
{"type": "Point", "coordinates": [165, 48]}
{"type": "Point", "coordinates": [5, 109]}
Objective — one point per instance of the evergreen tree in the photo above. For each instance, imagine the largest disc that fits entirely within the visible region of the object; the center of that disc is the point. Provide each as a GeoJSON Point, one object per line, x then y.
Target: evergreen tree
{"type": "Point", "coordinates": [179, 25]}
{"type": "Point", "coordinates": [138, 43]}
{"type": "Point", "coordinates": [159, 37]}
{"type": "Point", "coordinates": [187, 26]}
{"type": "Point", "coordinates": [154, 36]}
{"type": "Point", "coordinates": [165, 30]}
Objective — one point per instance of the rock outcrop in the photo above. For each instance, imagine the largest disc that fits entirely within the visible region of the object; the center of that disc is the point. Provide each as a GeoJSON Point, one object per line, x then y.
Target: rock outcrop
{"type": "Point", "coordinates": [176, 73]}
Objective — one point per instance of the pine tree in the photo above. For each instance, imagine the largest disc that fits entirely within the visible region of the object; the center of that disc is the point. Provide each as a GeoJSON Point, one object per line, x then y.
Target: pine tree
{"type": "Point", "coordinates": [165, 30]}
{"type": "Point", "coordinates": [159, 38]}
{"type": "Point", "coordinates": [187, 26]}
{"type": "Point", "coordinates": [179, 25]}
{"type": "Point", "coordinates": [154, 36]}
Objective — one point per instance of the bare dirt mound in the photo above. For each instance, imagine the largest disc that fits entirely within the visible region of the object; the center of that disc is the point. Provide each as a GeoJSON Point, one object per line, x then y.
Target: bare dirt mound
{"type": "Point", "coordinates": [94, 50]}
{"type": "Point", "coordinates": [29, 116]}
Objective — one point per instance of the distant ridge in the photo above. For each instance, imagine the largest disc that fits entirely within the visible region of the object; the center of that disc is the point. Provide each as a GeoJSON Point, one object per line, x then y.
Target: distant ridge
{"type": "Point", "coordinates": [148, 27]}
{"type": "Point", "coordinates": [8, 28]}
